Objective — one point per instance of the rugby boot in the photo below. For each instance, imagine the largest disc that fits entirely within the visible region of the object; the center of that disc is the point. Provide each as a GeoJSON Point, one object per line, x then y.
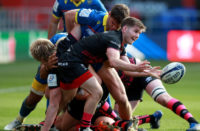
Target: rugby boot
{"type": "Point", "coordinates": [194, 127]}
{"type": "Point", "coordinates": [127, 125]}
{"type": "Point", "coordinates": [27, 127]}
{"type": "Point", "coordinates": [12, 125]}
{"type": "Point", "coordinates": [155, 123]}
{"type": "Point", "coordinates": [141, 129]}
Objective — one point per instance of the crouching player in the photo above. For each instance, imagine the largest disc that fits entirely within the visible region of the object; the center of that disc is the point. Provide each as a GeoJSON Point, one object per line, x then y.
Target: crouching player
{"type": "Point", "coordinates": [76, 58]}
{"type": "Point", "coordinates": [38, 87]}
{"type": "Point", "coordinates": [104, 119]}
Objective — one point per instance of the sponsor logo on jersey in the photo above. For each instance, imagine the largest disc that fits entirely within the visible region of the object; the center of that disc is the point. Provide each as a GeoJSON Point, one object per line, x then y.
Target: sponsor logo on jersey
{"type": "Point", "coordinates": [55, 6]}
{"type": "Point", "coordinates": [63, 64]}
{"type": "Point", "coordinates": [85, 12]}
{"type": "Point", "coordinates": [98, 22]}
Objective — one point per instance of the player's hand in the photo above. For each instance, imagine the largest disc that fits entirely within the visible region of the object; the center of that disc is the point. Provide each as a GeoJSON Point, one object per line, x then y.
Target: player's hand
{"type": "Point", "coordinates": [52, 61]}
{"type": "Point", "coordinates": [154, 71]}
{"type": "Point", "coordinates": [144, 65]}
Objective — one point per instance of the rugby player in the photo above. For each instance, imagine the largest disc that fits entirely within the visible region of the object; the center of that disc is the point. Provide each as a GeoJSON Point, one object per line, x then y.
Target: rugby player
{"type": "Point", "coordinates": [38, 87]}
{"type": "Point", "coordinates": [135, 87]}
{"type": "Point", "coordinates": [73, 63]}
{"type": "Point", "coordinates": [62, 6]}
{"type": "Point", "coordinates": [39, 83]}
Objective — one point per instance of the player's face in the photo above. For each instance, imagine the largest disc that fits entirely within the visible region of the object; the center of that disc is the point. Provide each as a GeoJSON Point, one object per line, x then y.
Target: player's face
{"type": "Point", "coordinates": [112, 24]}
{"type": "Point", "coordinates": [131, 34]}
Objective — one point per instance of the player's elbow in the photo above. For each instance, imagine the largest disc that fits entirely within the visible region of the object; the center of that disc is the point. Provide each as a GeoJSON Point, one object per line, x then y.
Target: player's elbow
{"type": "Point", "coordinates": [70, 16]}
{"type": "Point", "coordinates": [112, 63]}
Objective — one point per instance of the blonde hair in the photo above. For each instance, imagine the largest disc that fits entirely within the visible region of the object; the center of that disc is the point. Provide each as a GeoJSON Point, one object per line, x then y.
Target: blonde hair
{"type": "Point", "coordinates": [41, 49]}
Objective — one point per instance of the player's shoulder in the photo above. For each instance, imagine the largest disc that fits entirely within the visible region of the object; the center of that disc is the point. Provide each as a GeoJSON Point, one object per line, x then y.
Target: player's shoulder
{"type": "Point", "coordinates": [57, 37]}
{"type": "Point", "coordinates": [94, 14]}
{"type": "Point", "coordinates": [95, 4]}
{"type": "Point", "coordinates": [112, 35]}
{"type": "Point", "coordinates": [61, 2]}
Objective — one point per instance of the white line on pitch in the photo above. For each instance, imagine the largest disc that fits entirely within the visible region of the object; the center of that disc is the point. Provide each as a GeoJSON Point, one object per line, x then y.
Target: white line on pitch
{"type": "Point", "coordinates": [14, 89]}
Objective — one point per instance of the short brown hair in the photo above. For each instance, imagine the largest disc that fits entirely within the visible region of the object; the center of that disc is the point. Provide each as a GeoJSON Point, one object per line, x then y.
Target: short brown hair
{"type": "Point", "coordinates": [132, 21]}
{"type": "Point", "coordinates": [41, 49]}
{"type": "Point", "coordinates": [119, 12]}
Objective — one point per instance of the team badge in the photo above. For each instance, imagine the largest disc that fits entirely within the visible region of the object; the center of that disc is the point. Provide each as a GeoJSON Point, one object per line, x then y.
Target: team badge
{"type": "Point", "coordinates": [52, 80]}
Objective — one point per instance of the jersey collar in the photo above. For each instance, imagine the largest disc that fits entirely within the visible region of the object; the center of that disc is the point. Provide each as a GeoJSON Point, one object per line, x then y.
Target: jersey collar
{"type": "Point", "coordinates": [77, 4]}
{"type": "Point", "coordinates": [105, 18]}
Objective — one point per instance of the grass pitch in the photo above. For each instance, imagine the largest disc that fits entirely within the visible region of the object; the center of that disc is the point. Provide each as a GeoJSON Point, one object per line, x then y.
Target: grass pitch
{"type": "Point", "coordinates": [16, 79]}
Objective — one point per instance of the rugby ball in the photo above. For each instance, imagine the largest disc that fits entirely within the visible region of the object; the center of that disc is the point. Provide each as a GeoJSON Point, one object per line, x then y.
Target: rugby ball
{"type": "Point", "coordinates": [172, 72]}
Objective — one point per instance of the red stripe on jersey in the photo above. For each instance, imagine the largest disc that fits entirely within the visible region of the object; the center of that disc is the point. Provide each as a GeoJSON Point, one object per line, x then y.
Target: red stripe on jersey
{"type": "Point", "coordinates": [92, 29]}
{"type": "Point", "coordinates": [65, 10]}
{"type": "Point", "coordinates": [77, 82]}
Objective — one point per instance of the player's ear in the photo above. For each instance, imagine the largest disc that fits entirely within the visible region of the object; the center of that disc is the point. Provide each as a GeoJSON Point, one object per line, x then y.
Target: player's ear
{"type": "Point", "coordinates": [124, 28]}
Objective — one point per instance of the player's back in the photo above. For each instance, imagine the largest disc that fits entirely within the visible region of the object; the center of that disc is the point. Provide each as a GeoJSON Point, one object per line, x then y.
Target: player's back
{"type": "Point", "coordinates": [93, 49]}
{"type": "Point", "coordinates": [62, 6]}
{"type": "Point", "coordinates": [91, 21]}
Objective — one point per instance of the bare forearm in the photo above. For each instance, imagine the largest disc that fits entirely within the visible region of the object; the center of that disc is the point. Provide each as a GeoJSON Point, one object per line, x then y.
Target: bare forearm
{"type": "Point", "coordinates": [122, 65]}
{"type": "Point", "coordinates": [43, 71]}
{"type": "Point", "coordinates": [52, 29]}
{"type": "Point", "coordinates": [50, 117]}
{"type": "Point", "coordinates": [135, 74]}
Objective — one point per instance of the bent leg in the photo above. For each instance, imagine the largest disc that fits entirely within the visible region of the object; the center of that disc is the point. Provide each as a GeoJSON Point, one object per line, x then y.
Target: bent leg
{"type": "Point", "coordinates": [117, 90]}
{"type": "Point", "coordinates": [95, 90]}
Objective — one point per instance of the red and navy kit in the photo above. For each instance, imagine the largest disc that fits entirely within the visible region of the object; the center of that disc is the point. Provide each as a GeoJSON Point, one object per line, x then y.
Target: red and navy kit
{"type": "Point", "coordinates": [53, 79]}
{"type": "Point", "coordinates": [73, 63]}
{"type": "Point", "coordinates": [93, 49]}
{"type": "Point", "coordinates": [135, 86]}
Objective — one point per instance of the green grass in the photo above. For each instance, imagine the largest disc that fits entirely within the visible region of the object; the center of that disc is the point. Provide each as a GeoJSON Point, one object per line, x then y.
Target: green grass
{"type": "Point", "coordinates": [19, 76]}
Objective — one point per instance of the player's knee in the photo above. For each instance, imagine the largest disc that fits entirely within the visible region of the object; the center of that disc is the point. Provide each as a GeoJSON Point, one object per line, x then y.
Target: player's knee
{"type": "Point", "coordinates": [122, 100]}
{"type": "Point", "coordinates": [157, 92]}
{"type": "Point", "coordinates": [97, 93]}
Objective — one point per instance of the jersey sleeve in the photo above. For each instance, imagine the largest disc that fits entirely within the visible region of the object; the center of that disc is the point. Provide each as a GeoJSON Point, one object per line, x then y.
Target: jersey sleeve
{"type": "Point", "coordinates": [57, 13]}
{"type": "Point", "coordinates": [53, 79]}
{"type": "Point", "coordinates": [86, 17]}
{"type": "Point", "coordinates": [123, 52]}
{"type": "Point", "coordinates": [113, 43]}
{"type": "Point", "coordinates": [98, 5]}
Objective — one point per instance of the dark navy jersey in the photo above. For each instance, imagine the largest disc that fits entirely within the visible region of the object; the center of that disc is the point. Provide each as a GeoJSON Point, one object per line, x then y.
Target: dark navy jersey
{"type": "Point", "coordinates": [93, 49]}
{"type": "Point", "coordinates": [61, 6]}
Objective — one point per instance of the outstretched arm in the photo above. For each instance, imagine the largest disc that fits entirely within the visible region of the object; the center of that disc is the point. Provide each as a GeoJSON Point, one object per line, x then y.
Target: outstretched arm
{"type": "Point", "coordinates": [115, 62]}
{"type": "Point", "coordinates": [53, 108]}
{"type": "Point", "coordinates": [153, 71]}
